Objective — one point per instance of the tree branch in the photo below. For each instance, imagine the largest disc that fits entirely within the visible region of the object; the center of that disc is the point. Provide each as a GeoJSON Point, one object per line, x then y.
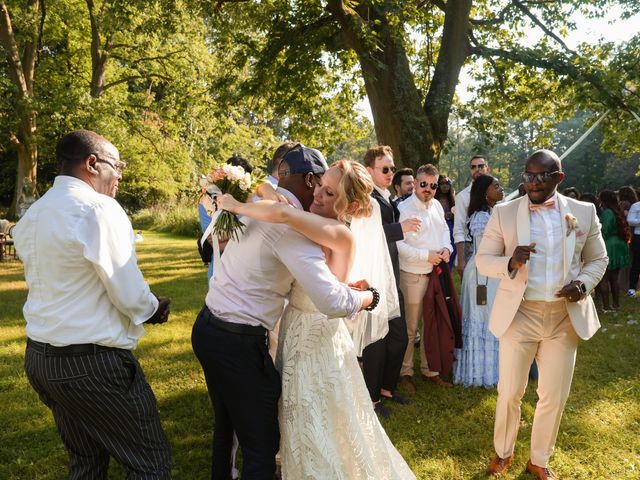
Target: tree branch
{"type": "Point", "coordinates": [559, 65]}
{"type": "Point", "coordinates": [542, 26]}
{"type": "Point", "coordinates": [136, 77]}
{"type": "Point", "coordinates": [491, 21]}
{"type": "Point", "coordinates": [10, 46]}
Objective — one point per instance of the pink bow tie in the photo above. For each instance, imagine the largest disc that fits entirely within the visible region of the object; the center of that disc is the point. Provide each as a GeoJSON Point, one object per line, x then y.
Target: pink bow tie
{"type": "Point", "coordinates": [546, 204]}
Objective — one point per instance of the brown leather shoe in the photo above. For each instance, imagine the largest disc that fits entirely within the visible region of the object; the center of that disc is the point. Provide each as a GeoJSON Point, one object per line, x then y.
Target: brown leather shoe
{"type": "Point", "coordinates": [437, 380]}
{"type": "Point", "coordinates": [541, 473]}
{"type": "Point", "coordinates": [499, 466]}
{"type": "Point", "coordinates": [407, 383]}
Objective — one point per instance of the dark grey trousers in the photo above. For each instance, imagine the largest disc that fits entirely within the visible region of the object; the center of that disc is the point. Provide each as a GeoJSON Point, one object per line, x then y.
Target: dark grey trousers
{"type": "Point", "coordinates": [103, 407]}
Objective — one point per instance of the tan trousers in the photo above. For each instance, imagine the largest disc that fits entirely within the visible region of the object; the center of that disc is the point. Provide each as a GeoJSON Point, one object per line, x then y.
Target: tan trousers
{"type": "Point", "coordinates": [540, 330]}
{"type": "Point", "coordinates": [413, 287]}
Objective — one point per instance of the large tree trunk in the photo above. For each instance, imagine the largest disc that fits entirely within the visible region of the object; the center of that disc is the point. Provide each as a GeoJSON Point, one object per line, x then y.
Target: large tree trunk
{"type": "Point", "coordinates": [99, 55]}
{"type": "Point", "coordinates": [22, 72]}
{"type": "Point", "coordinates": [416, 133]}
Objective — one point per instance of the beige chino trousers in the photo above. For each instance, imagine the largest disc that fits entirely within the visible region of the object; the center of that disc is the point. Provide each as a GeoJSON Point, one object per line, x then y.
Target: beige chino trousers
{"type": "Point", "coordinates": [540, 330]}
{"type": "Point", "coordinates": [413, 287]}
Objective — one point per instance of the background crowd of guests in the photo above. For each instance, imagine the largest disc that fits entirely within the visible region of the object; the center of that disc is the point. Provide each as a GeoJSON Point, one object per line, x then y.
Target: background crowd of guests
{"type": "Point", "coordinates": [449, 230]}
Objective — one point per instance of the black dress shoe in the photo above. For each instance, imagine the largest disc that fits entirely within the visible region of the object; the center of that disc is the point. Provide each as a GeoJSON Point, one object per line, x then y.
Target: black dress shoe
{"type": "Point", "coordinates": [381, 410]}
{"type": "Point", "coordinates": [398, 399]}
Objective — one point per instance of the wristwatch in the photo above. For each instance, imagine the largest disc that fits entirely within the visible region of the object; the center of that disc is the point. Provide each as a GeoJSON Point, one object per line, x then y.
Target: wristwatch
{"type": "Point", "coordinates": [581, 286]}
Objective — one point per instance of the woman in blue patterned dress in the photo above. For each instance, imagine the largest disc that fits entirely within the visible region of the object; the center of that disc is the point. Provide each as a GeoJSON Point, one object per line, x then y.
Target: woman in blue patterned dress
{"type": "Point", "coordinates": [477, 361]}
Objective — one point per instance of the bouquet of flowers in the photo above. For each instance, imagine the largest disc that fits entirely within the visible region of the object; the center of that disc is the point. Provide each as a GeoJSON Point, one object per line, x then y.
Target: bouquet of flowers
{"type": "Point", "coordinates": [237, 183]}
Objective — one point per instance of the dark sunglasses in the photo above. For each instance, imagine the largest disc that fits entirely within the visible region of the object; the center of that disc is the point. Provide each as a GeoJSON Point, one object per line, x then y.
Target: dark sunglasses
{"type": "Point", "coordinates": [528, 177]}
{"type": "Point", "coordinates": [480, 166]}
{"type": "Point", "coordinates": [432, 186]}
{"type": "Point", "coordinates": [386, 170]}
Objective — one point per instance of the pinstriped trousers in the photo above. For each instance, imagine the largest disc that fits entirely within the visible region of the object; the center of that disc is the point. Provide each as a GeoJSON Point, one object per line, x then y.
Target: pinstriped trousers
{"type": "Point", "coordinates": [103, 407]}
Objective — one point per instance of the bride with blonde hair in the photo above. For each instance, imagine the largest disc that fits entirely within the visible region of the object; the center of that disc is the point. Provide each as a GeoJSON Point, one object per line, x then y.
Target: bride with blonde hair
{"type": "Point", "coordinates": [328, 424]}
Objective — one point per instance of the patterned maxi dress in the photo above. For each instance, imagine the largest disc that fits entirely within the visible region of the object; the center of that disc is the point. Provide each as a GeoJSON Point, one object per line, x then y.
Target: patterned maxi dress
{"type": "Point", "coordinates": [477, 361]}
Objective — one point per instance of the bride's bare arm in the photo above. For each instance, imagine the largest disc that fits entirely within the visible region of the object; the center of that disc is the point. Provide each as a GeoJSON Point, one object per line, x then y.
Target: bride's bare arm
{"type": "Point", "coordinates": [326, 232]}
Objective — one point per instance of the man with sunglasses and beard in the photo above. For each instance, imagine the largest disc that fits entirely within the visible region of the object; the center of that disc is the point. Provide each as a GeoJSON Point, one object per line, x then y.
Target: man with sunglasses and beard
{"type": "Point", "coordinates": [478, 165]}
{"type": "Point", "coordinates": [419, 254]}
{"type": "Point", "coordinates": [548, 252]}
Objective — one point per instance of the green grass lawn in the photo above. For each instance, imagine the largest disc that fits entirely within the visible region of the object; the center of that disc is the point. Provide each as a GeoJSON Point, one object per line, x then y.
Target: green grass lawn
{"type": "Point", "coordinates": [444, 434]}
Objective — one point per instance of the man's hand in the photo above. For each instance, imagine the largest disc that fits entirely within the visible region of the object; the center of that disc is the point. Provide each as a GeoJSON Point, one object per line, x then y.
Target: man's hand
{"type": "Point", "coordinates": [571, 291]}
{"type": "Point", "coordinates": [434, 257]}
{"type": "Point", "coordinates": [411, 225]}
{"type": "Point", "coordinates": [445, 255]}
{"type": "Point", "coordinates": [521, 255]}
{"type": "Point", "coordinates": [161, 315]}
{"type": "Point", "coordinates": [460, 260]}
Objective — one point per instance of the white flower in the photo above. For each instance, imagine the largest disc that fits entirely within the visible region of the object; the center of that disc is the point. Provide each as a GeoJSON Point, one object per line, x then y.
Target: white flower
{"type": "Point", "coordinates": [234, 173]}
{"type": "Point", "coordinates": [572, 223]}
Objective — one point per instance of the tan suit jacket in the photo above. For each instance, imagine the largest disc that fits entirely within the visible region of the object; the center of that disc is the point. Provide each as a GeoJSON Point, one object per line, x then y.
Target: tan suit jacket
{"type": "Point", "coordinates": [585, 259]}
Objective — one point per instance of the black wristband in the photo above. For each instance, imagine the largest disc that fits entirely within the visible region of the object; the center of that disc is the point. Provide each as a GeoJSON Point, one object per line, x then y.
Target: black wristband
{"type": "Point", "coordinates": [376, 299]}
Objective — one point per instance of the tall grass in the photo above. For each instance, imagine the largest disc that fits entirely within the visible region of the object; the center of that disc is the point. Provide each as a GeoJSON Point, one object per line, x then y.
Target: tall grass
{"type": "Point", "coordinates": [179, 219]}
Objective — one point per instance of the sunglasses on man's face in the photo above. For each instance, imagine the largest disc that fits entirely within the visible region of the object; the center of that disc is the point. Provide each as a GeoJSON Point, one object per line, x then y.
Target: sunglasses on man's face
{"type": "Point", "coordinates": [479, 166]}
{"type": "Point", "coordinates": [529, 177]}
{"type": "Point", "coordinates": [432, 186]}
{"type": "Point", "coordinates": [386, 170]}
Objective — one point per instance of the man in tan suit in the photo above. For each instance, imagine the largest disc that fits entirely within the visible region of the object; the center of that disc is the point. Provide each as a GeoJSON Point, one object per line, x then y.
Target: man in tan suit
{"type": "Point", "coordinates": [548, 251]}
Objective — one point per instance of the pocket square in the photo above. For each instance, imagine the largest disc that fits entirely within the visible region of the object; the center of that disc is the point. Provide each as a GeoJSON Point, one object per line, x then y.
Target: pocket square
{"type": "Point", "coordinates": [579, 233]}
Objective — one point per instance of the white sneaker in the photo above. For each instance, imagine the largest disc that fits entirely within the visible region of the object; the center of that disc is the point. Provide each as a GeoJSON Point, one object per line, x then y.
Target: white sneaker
{"type": "Point", "coordinates": [631, 292]}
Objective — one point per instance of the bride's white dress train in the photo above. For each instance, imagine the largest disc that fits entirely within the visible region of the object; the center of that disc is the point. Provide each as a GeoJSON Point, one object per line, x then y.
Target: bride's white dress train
{"type": "Point", "coordinates": [329, 429]}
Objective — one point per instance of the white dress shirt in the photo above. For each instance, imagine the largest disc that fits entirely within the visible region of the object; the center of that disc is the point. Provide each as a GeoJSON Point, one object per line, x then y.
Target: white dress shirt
{"type": "Point", "coordinates": [414, 250]}
{"type": "Point", "coordinates": [633, 218]}
{"type": "Point", "coordinates": [257, 272]}
{"type": "Point", "coordinates": [461, 216]}
{"type": "Point", "coordinates": [78, 250]}
{"type": "Point", "coordinates": [386, 194]}
{"type": "Point", "coordinates": [546, 265]}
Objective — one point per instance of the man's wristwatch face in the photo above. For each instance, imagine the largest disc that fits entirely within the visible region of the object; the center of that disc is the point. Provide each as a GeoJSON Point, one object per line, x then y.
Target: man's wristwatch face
{"type": "Point", "coordinates": [583, 287]}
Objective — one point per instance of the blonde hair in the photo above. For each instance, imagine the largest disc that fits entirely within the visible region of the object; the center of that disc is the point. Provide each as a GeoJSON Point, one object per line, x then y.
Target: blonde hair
{"type": "Point", "coordinates": [354, 190]}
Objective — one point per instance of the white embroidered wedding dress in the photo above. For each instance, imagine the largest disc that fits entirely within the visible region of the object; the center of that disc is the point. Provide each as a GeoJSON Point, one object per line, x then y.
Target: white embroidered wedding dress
{"type": "Point", "coordinates": [329, 429]}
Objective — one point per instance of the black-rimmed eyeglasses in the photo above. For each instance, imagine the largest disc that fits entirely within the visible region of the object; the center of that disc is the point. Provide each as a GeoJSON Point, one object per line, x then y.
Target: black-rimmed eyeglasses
{"type": "Point", "coordinates": [529, 177]}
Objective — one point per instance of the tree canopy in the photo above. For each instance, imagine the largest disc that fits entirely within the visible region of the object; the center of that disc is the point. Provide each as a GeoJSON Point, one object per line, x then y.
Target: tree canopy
{"type": "Point", "coordinates": [175, 84]}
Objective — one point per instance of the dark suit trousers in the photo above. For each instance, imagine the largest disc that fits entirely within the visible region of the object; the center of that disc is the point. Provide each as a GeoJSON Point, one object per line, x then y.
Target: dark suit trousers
{"type": "Point", "coordinates": [103, 407]}
{"type": "Point", "coordinates": [382, 360]}
{"type": "Point", "coordinates": [244, 388]}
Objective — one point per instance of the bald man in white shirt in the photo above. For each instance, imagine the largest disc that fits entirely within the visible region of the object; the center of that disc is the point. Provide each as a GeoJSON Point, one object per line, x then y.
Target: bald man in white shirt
{"type": "Point", "coordinates": [548, 251]}
{"type": "Point", "coordinates": [85, 312]}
